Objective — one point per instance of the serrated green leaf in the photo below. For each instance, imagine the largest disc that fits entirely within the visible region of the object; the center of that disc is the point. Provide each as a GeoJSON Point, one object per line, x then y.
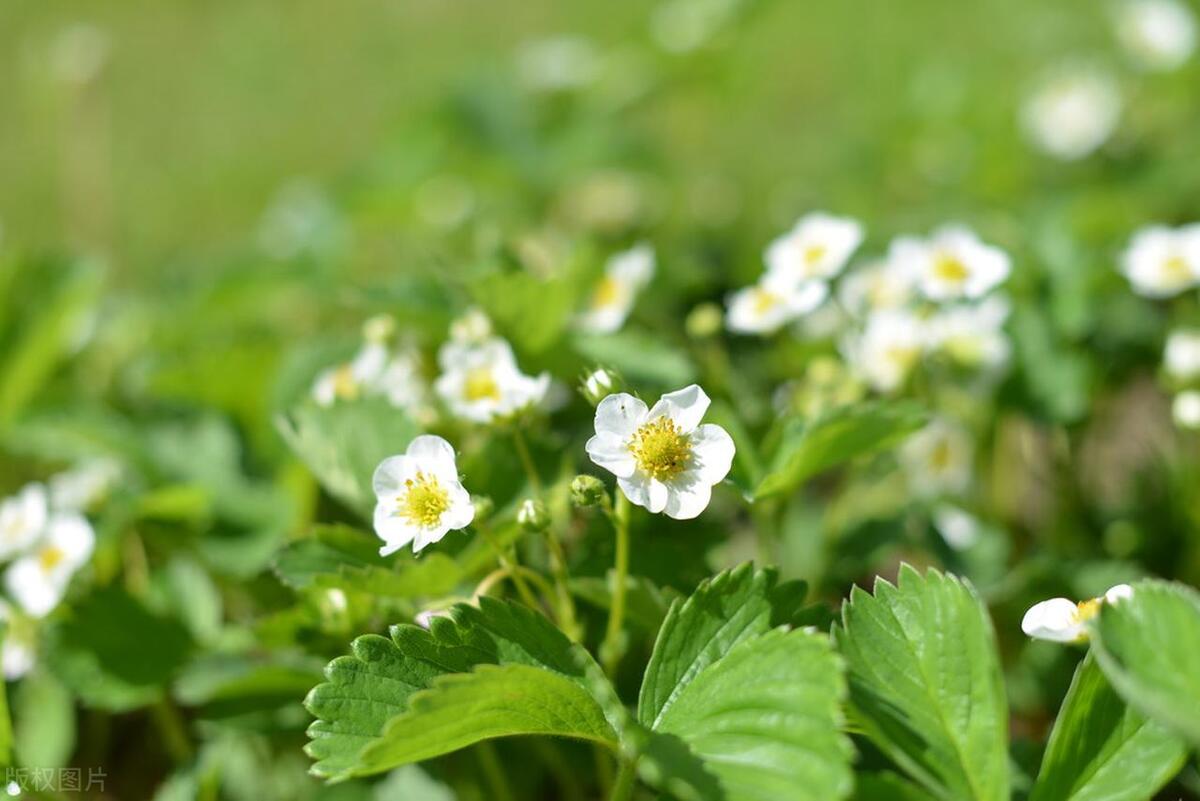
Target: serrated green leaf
{"type": "Point", "coordinates": [1149, 648]}
{"type": "Point", "coordinates": [1101, 750]}
{"type": "Point", "coordinates": [378, 683]}
{"type": "Point", "coordinates": [807, 448]}
{"type": "Point", "coordinates": [760, 724]}
{"type": "Point", "coordinates": [925, 683]}
{"type": "Point", "coordinates": [731, 607]}
{"type": "Point", "coordinates": [344, 443]}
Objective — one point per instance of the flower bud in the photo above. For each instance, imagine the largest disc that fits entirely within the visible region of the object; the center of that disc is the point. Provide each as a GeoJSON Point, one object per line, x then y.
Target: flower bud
{"type": "Point", "coordinates": [703, 321]}
{"type": "Point", "coordinates": [587, 491]}
{"type": "Point", "coordinates": [599, 384]}
{"type": "Point", "coordinates": [484, 506]}
{"type": "Point", "coordinates": [532, 516]}
{"type": "Point", "coordinates": [379, 329]}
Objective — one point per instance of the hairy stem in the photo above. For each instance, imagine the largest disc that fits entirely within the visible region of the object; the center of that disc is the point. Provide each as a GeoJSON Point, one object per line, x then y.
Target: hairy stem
{"type": "Point", "coordinates": [611, 650]}
{"type": "Point", "coordinates": [535, 482]}
{"type": "Point", "coordinates": [626, 778]}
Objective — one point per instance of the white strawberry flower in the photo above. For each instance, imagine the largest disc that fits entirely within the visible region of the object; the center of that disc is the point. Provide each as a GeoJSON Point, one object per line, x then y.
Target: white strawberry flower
{"type": "Point", "coordinates": [350, 381]}
{"type": "Point", "coordinates": [38, 580]}
{"type": "Point", "coordinates": [482, 383]}
{"type": "Point", "coordinates": [1072, 113]}
{"type": "Point", "coordinates": [937, 459]}
{"type": "Point", "coordinates": [879, 285]}
{"type": "Point", "coordinates": [663, 458]}
{"type": "Point", "coordinates": [1185, 409]}
{"type": "Point", "coordinates": [419, 497]}
{"type": "Point", "coordinates": [816, 248]}
{"type": "Point", "coordinates": [1181, 357]}
{"type": "Point", "coordinates": [952, 264]}
{"type": "Point", "coordinates": [18, 654]}
{"type": "Point", "coordinates": [772, 303]}
{"type": "Point", "coordinates": [1063, 620]}
{"type": "Point", "coordinates": [1160, 35]}
{"type": "Point", "coordinates": [625, 275]}
{"type": "Point", "coordinates": [888, 348]}
{"type": "Point", "coordinates": [22, 518]}
{"type": "Point", "coordinates": [1161, 262]}
{"type": "Point", "coordinates": [972, 335]}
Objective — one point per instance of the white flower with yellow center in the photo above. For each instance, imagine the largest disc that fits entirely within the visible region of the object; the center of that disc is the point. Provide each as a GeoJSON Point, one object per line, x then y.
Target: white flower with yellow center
{"type": "Point", "coordinates": [888, 348]}
{"type": "Point", "coordinates": [937, 459]}
{"type": "Point", "coordinates": [1181, 357]}
{"type": "Point", "coordinates": [419, 497]}
{"type": "Point", "coordinates": [880, 285]}
{"type": "Point", "coordinates": [18, 654]}
{"type": "Point", "coordinates": [1072, 113]}
{"type": "Point", "coordinates": [952, 264]}
{"type": "Point", "coordinates": [1063, 620]}
{"type": "Point", "coordinates": [38, 580]}
{"type": "Point", "coordinates": [663, 458]}
{"type": "Point", "coordinates": [352, 380]}
{"type": "Point", "coordinates": [817, 248]}
{"type": "Point", "coordinates": [1161, 262]}
{"type": "Point", "coordinates": [22, 518]}
{"type": "Point", "coordinates": [625, 274]}
{"type": "Point", "coordinates": [483, 383]}
{"type": "Point", "coordinates": [972, 335]}
{"type": "Point", "coordinates": [1159, 34]}
{"type": "Point", "coordinates": [772, 303]}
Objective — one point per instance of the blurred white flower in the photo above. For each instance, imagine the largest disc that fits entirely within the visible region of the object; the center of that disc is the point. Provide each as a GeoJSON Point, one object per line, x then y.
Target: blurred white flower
{"type": "Point", "coordinates": [419, 497]}
{"type": "Point", "coordinates": [351, 380]}
{"type": "Point", "coordinates": [937, 459]}
{"type": "Point", "coordinates": [1063, 620]}
{"type": "Point", "coordinates": [598, 385]}
{"type": "Point", "coordinates": [1159, 35]}
{"type": "Point", "coordinates": [663, 458]}
{"type": "Point", "coordinates": [557, 63]}
{"type": "Point", "coordinates": [1185, 409]}
{"type": "Point", "coordinates": [483, 383]}
{"type": "Point", "coordinates": [625, 274]}
{"type": "Point", "coordinates": [887, 349]}
{"type": "Point", "coordinates": [38, 580]}
{"type": "Point", "coordinates": [972, 335]}
{"type": "Point", "coordinates": [883, 284]}
{"type": "Point", "coordinates": [18, 654]}
{"type": "Point", "coordinates": [79, 488]}
{"type": "Point", "coordinates": [772, 303]}
{"type": "Point", "coordinates": [1161, 261]}
{"type": "Point", "coordinates": [1182, 355]}
{"type": "Point", "coordinates": [472, 328]}
{"type": "Point", "coordinates": [958, 528]}
{"type": "Point", "coordinates": [952, 264]}
{"type": "Point", "coordinates": [1072, 113]}
{"type": "Point", "coordinates": [22, 518]}
{"type": "Point", "coordinates": [817, 247]}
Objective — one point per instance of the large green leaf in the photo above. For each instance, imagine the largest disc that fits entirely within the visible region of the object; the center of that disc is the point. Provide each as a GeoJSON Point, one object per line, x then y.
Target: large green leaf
{"type": "Point", "coordinates": [372, 714]}
{"type": "Point", "coordinates": [344, 443]}
{"type": "Point", "coordinates": [759, 724]}
{"type": "Point", "coordinates": [807, 448]}
{"type": "Point", "coordinates": [925, 683]}
{"type": "Point", "coordinates": [1101, 750]}
{"type": "Point", "coordinates": [1149, 648]}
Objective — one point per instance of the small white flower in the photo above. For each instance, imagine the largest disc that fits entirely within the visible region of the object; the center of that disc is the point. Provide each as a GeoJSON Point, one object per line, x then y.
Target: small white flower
{"type": "Point", "coordinates": [884, 284]}
{"type": "Point", "coordinates": [1160, 35]}
{"type": "Point", "coordinates": [972, 335]}
{"type": "Point", "coordinates": [402, 383]}
{"type": "Point", "coordinates": [18, 654]}
{"type": "Point", "coordinates": [663, 458]}
{"type": "Point", "coordinates": [817, 248]}
{"type": "Point", "coordinates": [350, 381]}
{"type": "Point", "coordinates": [419, 497]}
{"type": "Point", "coordinates": [1063, 620]}
{"type": "Point", "coordinates": [952, 264]}
{"type": "Point", "coordinates": [1182, 355]}
{"type": "Point", "coordinates": [483, 383]}
{"type": "Point", "coordinates": [958, 528]}
{"type": "Point", "coordinates": [937, 459]}
{"type": "Point", "coordinates": [773, 303]}
{"type": "Point", "coordinates": [22, 518]}
{"type": "Point", "coordinates": [598, 385]}
{"type": "Point", "coordinates": [887, 350]}
{"type": "Point", "coordinates": [1072, 113]}
{"type": "Point", "coordinates": [38, 580]}
{"type": "Point", "coordinates": [79, 488]}
{"type": "Point", "coordinates": [1186, 409]}
{"type": "Point", "coordinates": [1161, 262]}
{"type": "Point", "coordinates": [625, 274]}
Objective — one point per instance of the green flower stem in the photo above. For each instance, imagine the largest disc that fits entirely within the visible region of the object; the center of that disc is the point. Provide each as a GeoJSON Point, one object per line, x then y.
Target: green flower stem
{"type": "Point", "coordinates": [565, 602]}
{"type": "Point", "coordinates": [611, 650]}
{"type": "Point", "coordinates": [626, 778]}
{"type": "Point", "coordinates": [527, 462]}
{"type": "Point", "coordinates": [493, 772]}
{"type": "Point", "coordinates": [174, 732]}
{"type": "Point", "coordinates": [510, 565]}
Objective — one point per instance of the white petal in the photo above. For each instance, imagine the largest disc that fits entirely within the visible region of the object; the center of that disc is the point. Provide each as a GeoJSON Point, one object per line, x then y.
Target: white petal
{"type": "Point", "coordinates": [428, 536]}
{"type": "Point", "coordinates": [686, 407]}
{"type": "Point", "coordinates": [71, 534]}
{"type": "Point", "coordinates": [390, 476]}
{"type": "Point", "coordinates": [461, 511]}
{"type": "Point", "coordinates": [712, 453]}
{"type": "Point", "coordinates": [620, 414]}
{"type": "Point", "coordinates": [612, 453]}
{"type": "Point", "coordinates": [394, 530]}
{"type": "Point", "coordinates": [1056, 620]}
{"type": "Point", "coordinates": [657, 496]}
{"type": "Point", "coordinates": [435, 456]}
{"type": "Point", "coordinates": [1119, 593]}
{"type": "Point", "coordinates": [637, 489]}
{"type": "Point", "coordinates": [687, 497]}
{"type": "Point", "coordinates": [35, 590]}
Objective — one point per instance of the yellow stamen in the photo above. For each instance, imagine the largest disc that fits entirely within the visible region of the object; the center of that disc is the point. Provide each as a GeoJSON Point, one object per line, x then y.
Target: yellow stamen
{"type": "Point", "coordinates": [1176, 269]}
{"type": "Point", "coordinates": [661, 449]}
{"type": "Point", "coordinates": [813, 254]}
{"type": "Point", "coordinates": [1086, 610]}
{"type": "Point", "coordinates": [942, 456]}
{"type": "Point", "coordinates": [49, 557]}
{"type": "Point", "coordinates": [480, 385]}
{"type": "Point", "coordinates": [607, 293]}
{"type": "Point", "coordinates": [950, 268]}
{"type": "Point", "coordinates": [344, 384]}
{"type": "Point", "coordinates": [424, 502]}
{"type": "Point", "coordinates": [764, 301]}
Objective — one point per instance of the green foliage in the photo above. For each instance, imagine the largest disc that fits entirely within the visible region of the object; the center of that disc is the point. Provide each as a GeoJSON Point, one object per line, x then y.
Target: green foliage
{"type": "Point", "coordinates": [1102, 749]}
{"type": "Point", "coordinates": [1149, 648]}
{"type": "Point", "coordinates": [925, 682]}
{"type": "Point", "coordinates": [639, 358]}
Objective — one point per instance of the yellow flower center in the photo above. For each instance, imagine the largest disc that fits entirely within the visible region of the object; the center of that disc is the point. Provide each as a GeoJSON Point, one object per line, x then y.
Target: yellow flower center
{"type": "Point", "coordinates": [764, 301]}
{"type": "Point", "coordinates": [942, 456]}
{"type": "Point", "coordinates": [607, 292]}
{"type": "Point", "coordinates": [480, 385]}
{"type": "Point", "coordinates": [424, 502]}
{"type": "Point", "coordinates": [49, 557]}
{"type": "Point", "coordinates": [1086, 610]}
{"type": "Point", "coordinates": [812, 254]}
{"type": "Point", "coordinates": [660, 448]}
{"type": "Point", "coordinates": [950, 268]}
{"type": "Point", "coordinates": [902, 356]}
{"type": "Point", "coordinates": [344, 384]}
{"type": "Point", "coordinates": [1176, 269]}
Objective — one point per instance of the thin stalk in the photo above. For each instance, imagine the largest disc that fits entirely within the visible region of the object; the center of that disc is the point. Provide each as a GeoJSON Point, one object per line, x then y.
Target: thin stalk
{"type": "Point", "coordinates": [611, 650]}
{"type": "Point", "coordinates": [565, 602]}
{"type": "Point", "coordinates": [626, 778]}
{"type": "Point", "coordinates": [510, 565]}
{"type": "Point", "coordinates": [493, 772]}
{"type": "Point", "coordinates": [527, 462]}
{"type": "Point", "coordinates": [174, 732]}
